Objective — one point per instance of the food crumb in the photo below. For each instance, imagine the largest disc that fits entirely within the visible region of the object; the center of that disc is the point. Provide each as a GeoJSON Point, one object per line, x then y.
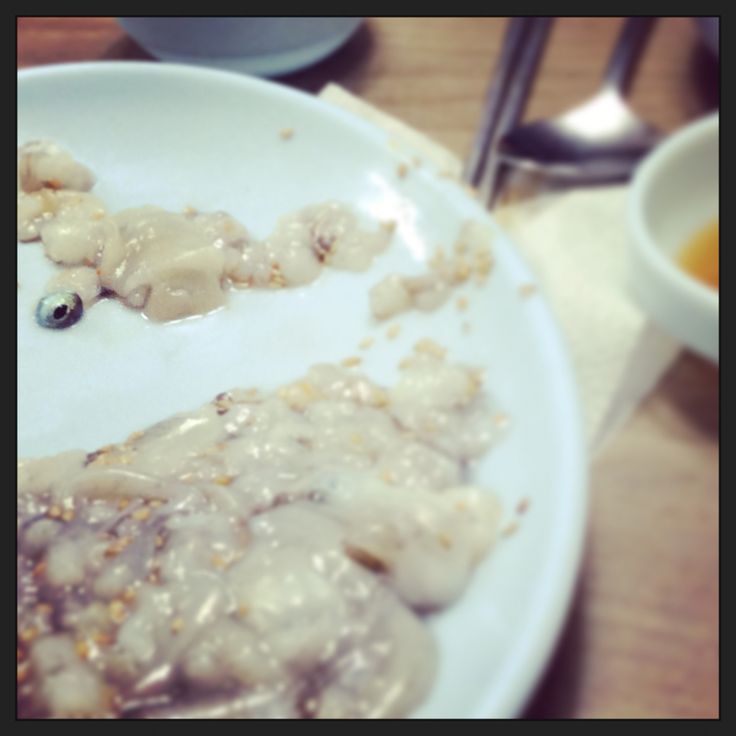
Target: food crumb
{"type": "Point", "coordinates": [351, 361]}
{"type": "Point", "coordinates": [28, 635]}
{"type": "Point", "coordinates": [462, 303]}
{"type": "Point", "coordinates": [82, 649]}
{"type": "Point", "coordinates": [522, 506]}
{"type": "Point", "coordinates": [526, 290]}
{"type": "Point", "coordinates": [393, 332]}
{"type": "Point", "coordinates": [471, 190]}
{"type": "Point", "coordinates": [430, 347]}
{"type": "Point", "coordinates": [102, 639]}
{"type": "Point", "coordinates": [501, 420]}
{"type": "Point", "coordinates": [444, 541]}
{"type": "Point", "coordinates": [402, 170]}
{"type": "Point", "coordinates": [286, 134]}
{"type": "Point", "coordinates": [466, 328]}
{"type": "Point", "coordinates": [117, 611]}
{"type": "Point", "coordinates": [365, 343]}
{"type": "Point", "coordinates": [177, 625]}
{"type": "Point", "coordinates": [510, 529]}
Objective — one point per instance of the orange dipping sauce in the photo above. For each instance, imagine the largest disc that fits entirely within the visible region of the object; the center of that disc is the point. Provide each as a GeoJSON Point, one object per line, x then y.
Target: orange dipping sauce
{"type": "Point", "coordinates": [699, 256]}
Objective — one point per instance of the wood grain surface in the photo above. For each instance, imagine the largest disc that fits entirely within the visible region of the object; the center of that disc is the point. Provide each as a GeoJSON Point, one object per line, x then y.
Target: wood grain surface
{"type": "Point", "coordinates": [642, 638]}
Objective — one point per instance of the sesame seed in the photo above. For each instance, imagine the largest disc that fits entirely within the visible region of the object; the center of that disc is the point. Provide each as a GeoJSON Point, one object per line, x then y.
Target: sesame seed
{"type": "Point", "coordinates": [460, 247]}
{"type": "Point", "coordinates": [219, 562]}
{"type": "Point", "coordinates": [22, 671]}
{"type": "Point", "coordinates": [82, 649]}
{"type": "Point", "coordinates": [462, 271]}
{"type": "Point", "coordinates": [430, 347]}
{"type": "Point", "coordinates": [393, 332]}
{"type": "Point", "coordinates": [351, 361]}
{"type": "Point", "coordinates": [28, 635]}
{"type": "Point", "coordinates": [102, 638]}
{"type": "Point", "coordinates": [365, 343]}
{"type": "Point", "coordinates": [501, 420]}
{"type": "Point", "coordinates": [141, 514]}
{"type": "Point", "coordinates": [117, 611]}
{"type": "Point", "coordinates": [444, 541]}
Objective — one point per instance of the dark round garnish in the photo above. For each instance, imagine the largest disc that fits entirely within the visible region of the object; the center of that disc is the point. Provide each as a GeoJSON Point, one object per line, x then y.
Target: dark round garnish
{"type": "Point", "coordinates": [59, 310]}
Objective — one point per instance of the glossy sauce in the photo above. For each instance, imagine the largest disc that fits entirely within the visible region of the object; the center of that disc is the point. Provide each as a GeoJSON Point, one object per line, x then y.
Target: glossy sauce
{"type": "Point", "coordinates": [699, 256]}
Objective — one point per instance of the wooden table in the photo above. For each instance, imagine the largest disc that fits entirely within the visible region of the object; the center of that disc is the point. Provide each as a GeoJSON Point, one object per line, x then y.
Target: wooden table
{"type": "Point", "coordinates": [642, 639]}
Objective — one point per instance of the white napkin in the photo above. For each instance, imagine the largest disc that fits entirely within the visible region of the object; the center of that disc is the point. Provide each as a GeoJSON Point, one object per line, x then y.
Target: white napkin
{"type": "Point", "coordinates": [576, 243]}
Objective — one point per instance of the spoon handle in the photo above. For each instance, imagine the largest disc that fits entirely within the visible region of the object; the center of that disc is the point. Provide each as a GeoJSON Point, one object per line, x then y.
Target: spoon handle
{"type": "Point", "coordinates": [630, 44]}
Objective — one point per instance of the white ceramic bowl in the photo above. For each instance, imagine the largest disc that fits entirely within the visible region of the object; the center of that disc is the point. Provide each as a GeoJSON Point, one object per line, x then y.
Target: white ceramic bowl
{"type": "Point", "coordinates": [261, 46]}
{"type": "Point", "coordinates": [673, 195]}
{"type": "Point", "coordinates": [176, 136]}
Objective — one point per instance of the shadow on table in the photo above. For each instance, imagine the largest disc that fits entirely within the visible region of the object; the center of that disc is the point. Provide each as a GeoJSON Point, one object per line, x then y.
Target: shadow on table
{"type": "Point", "coordinates": [126, 49]}
{"type": "Point", "coordinates": [557, 693]}
{"type": "Point", "coordinates": [345, 67]}
{"type": "Point", "coordinates": [706, 78]}
{"type": "Point", "coordinates": [692, 389]}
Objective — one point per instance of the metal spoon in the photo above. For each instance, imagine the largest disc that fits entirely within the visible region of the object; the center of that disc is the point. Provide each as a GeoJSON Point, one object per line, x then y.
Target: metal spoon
{"type": "Point", "coordinates": [598, 141]}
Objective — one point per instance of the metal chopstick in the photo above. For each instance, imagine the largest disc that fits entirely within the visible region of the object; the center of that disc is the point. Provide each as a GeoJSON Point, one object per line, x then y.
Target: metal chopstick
{"type": "Point", "coordinates": [514, 38]}
{"type": "Point", "coordinates": [495, 172]}
{"type": "Point", "coordinates": [515, 72]}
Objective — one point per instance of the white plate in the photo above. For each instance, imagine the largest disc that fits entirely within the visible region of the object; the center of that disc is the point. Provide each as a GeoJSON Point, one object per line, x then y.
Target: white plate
{"type": "Point", "coordinates": [176, 136]}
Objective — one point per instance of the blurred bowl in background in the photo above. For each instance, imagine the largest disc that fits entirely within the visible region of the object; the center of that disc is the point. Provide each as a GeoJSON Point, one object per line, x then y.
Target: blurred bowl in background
{"type": "Point", "coordinates": [674, 196]}
{"type": "Point", "coordinates": [260, 46]}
